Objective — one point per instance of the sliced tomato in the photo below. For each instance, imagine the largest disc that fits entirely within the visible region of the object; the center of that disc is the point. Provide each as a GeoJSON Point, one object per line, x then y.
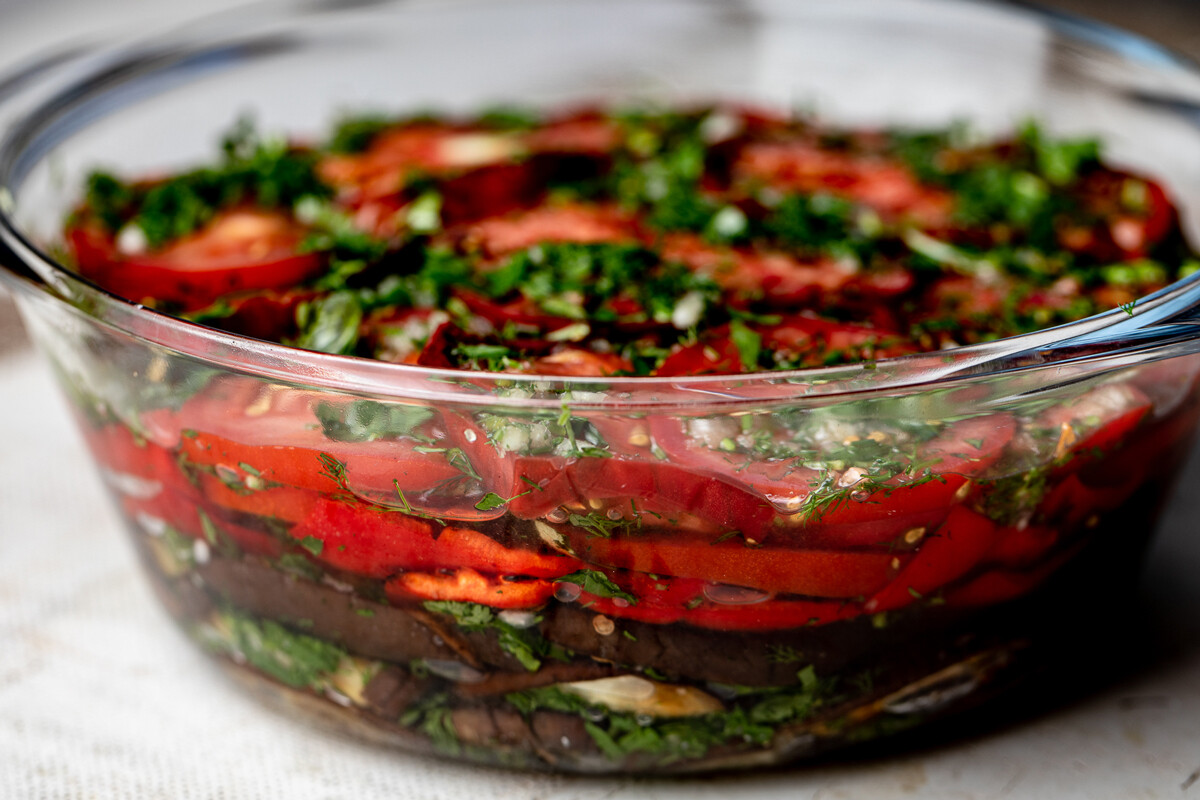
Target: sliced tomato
{"type": "Point", "coordinates": [272, 433]}
{"type": "Point", "coordinates": [468, 586]}
{"type": "Point", "coordinates": [815, 573]}
{"type": "Point", "coordinates": [283, 503]}
{"type": "Point", "coordinates": [550, 223]}
{"type": "Point", "coordinates": [378, 543]}
{"type": "Point", "coordinates": [999, 586]}
{"type": "Point", "coordinates": [969, 446]}
{"type": "Point", "coordinates": [660, 488]}
{"type": "Point", "coordinates": [962, 450]}
{"type": "Point", "coordinates": [954, 550]}
{"type": "Point", "coordinates": [268, 314]}
{"type": "Point", "coordinates": [898, 517]}
{"type": "Point", "coordinates": [1021, 546]}
{"type": "Point", "coordinates": [120, 452]}
{"type": "Point", "coordinates": [1120, 233]}
{"type": "Point", "coordinates": [446, 151]}
{"type": "Point", "coordinates": [182, 510]}
{"type": "Point", "coordinates": [584, 132]}
{"type": "Point", "coordinates": [664, 601]}
{"type": "Point", "coordinates": [1094, 425]}
{"type": "Point", "coordinates": [776, 276]}
{"type": "Point", "coordinates": [887, 186]}
{"type": "Point", "coordinates": [715, 355]}
{"type": "Point", "coordinates": [239, 250]}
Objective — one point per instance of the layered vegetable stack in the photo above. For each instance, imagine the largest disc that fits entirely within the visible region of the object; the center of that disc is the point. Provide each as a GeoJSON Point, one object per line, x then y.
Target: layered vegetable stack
{"type": "Point", "coordinates": [544, 570]}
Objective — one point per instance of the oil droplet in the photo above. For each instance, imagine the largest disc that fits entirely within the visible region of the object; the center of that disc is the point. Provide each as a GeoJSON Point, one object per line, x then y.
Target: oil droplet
{"type": "Point", "coordinates": [558, 516]}
{"type": "Point", "coordinates": [614, 514]}
{"type": "Point", "coordinates": [734, 595]}
{"type": "Point", "coordinates": [567, 592]}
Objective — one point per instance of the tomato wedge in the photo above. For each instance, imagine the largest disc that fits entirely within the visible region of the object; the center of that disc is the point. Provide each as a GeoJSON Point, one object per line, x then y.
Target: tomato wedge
{"type": "Point", "coordinates": [238, 250]}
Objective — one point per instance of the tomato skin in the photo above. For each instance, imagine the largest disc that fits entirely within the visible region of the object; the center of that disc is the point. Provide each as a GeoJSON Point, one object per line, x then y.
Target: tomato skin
{"type": "Point", "coordinates": [964, 449]}
{"type": "Point", "coordinates": [378, 543]}
{"type": "Point", "coordinates": [953, 452]}
{"type": "Point", "coordinates": [284, 503]}
{"type": "Point", "coordinates": [235, 424]}
{"type": "Point", "coordinates": [884, 185]}
{"type": "Point", "coordinates": [465, 585]}
{"type": "Point", "coordinates": [584, 224]}
{"type": "Point", "coordinates": [1022, 546]}
{"type": "Point", "coordinates": [239, 250]}
{"type": "Point", "coordinates": [885, 516]}
{"type": "Point", "coordinates": [815, 573]}
{"type": "Point", "coordinates": [999, 586]}
{"type": "Point", "coordinates": [666, 601]}
{"type": "Point", "coordinates": [953, 551]}
{"type": "Point", "coordinates": [714, 355]}
{"type": "Point", "coordinates": [269, 314]}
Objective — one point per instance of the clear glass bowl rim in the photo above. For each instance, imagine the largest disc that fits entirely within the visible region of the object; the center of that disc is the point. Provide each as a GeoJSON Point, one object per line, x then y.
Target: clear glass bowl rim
{"type": "Point", "coordinates": [1106, 341]}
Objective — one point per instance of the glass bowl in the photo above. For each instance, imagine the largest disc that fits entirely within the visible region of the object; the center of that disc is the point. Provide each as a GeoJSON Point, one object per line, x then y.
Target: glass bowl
{"type": "Point", "coordinates": [654, 597]}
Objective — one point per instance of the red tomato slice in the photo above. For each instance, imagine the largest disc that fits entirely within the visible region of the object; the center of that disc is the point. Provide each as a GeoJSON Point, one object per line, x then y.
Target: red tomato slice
{"type": "Point", "coordinates": [238, 250]}
{"type": "Point", "coordinates": [273, 430]}
{"type": "Point", "coordinates": [884, 185]}
{"type": "Point", "coordinates": [181, 509]}
{"type": "Point", "coordinates": [283, 503]}
{"type": "Point", "coordinates": [468, 586]}
{"type": "Point", "coordinates": [715, 355]}
{"type": "Point", "coordinates": [969, 446]}
{"type": "Point", "coordinates": [269, 314]}
{"type": "Point", "coordinates": [779, 277]}
{"type": "Point", "coordinates": [365, 540]}
{"type": "Point", "coordinates": [1022, 546]}
{"type": "Point", "coordinates": [957, 547]}
{"type": "Point", "coordinates": [1121, 233]}
{"type": "Point", "coordinates": [886, 517]}
{"type": "Point", "coordinates": [587, 132]}
{"type": "Point", "coordinates": [664, 601]}
{"type": "Point", "coordinates": [816, 573]}
{"type": "Point", "coordinates": [999, 586]}
{"type": "Point", "coordinates": [551, 223]}
{"type": "Point", "coordinates": [962, 450]}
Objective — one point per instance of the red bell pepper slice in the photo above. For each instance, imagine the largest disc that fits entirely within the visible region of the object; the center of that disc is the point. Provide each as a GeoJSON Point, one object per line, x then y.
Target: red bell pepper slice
{"type": "Point", "coordinates": [468, 586]}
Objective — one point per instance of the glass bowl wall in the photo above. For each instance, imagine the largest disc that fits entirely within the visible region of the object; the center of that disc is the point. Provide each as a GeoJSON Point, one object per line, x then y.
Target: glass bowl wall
{"type": "Point", "coordinates": [668, 574]}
